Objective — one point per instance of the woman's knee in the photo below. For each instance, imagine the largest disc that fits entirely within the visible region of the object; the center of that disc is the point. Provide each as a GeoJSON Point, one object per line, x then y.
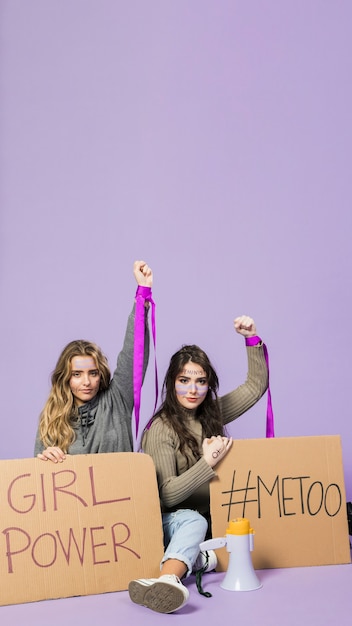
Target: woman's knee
{"type": "Point", "coordinates": [185, 522]}
{"type": "Point", "coordinates": [196, 523]}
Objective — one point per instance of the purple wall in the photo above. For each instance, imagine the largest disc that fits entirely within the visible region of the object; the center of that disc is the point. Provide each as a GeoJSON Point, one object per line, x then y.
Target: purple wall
{"type": "Point", "coordinates": [212, 139]}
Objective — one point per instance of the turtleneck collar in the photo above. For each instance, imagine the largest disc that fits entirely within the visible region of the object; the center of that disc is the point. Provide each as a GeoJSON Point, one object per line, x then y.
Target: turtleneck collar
{"type": "Point", "coordinates": [86, 416]}
{"type": "Point", "coordinates": [188, 414]}
{"type": "Point", "coordinates": [87, 407]}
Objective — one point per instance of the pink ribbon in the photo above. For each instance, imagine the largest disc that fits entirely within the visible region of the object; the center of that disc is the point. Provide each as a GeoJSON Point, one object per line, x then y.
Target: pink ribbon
{"type": "Point", "coordinates": [143, 294]}
{"type": "Point", "coordinates": [253, 341]}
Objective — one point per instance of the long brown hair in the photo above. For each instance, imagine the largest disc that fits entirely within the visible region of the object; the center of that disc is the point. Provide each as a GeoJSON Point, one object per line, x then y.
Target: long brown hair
{"type": "Point", "coordinates": [208, 412]}
{"type": "Point", "coordinates": [55, 422]}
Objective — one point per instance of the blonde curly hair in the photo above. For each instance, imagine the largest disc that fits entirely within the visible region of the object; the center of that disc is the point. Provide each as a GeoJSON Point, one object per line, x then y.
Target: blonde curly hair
{"type": "Point", "coordinates": [55, 422]}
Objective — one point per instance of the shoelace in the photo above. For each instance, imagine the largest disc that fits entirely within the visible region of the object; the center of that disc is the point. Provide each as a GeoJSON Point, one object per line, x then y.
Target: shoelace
{"type": "Point", "coordinates": [199, 574]}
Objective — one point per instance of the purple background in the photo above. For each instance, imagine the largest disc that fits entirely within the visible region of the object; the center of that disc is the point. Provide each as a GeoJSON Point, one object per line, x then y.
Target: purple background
{"type": "Point", "coordinates": [213, 140]}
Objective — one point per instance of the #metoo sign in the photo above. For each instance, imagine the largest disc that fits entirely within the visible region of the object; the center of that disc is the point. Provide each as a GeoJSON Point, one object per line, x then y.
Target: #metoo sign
{"type": "Point", "coordinates": [292, 491]}
{"type": "Point", "coordinates": [85, 526]}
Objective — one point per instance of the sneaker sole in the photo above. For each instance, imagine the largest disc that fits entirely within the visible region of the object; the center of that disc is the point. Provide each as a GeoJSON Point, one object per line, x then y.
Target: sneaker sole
{"type": "Point", "coordinates": [160, 597]}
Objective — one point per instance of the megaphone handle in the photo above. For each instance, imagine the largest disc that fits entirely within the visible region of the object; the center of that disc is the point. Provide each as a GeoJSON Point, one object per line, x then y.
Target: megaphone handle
{"type": "Point", "coordinates": [212, 544]}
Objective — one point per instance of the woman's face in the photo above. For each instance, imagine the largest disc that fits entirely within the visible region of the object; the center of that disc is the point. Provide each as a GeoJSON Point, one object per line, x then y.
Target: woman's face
{"type": "Point", "coordinates": [85, 379]}
{"type": "Point", "coordinates": [191, 386]}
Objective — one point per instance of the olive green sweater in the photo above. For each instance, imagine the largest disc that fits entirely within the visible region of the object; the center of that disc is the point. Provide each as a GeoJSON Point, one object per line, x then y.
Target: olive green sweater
{"type": "Point", "coordinates": [184, 487]}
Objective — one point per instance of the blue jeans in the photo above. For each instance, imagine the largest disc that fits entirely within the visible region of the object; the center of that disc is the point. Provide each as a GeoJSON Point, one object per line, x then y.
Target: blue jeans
{"type": "Point", "coordinates": [184, 530]}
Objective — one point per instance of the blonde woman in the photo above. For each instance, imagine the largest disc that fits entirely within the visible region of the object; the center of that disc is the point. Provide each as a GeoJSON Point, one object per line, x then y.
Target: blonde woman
{"type": "Point", "coordinates": [87, 411]}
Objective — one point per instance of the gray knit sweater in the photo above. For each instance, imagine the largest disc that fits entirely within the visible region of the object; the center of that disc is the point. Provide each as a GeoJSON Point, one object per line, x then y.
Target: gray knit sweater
{"type": "Point", "coordinates": [104, 423]}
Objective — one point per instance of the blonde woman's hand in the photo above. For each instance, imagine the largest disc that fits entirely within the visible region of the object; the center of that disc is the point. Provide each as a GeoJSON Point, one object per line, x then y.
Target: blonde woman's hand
{"type": "Point", "coordinates": [245, 326]}
{"type": "Point", "coordinates": [215, 448]}
{"type": "Point", "coordinates": [143, 274]}
{"type": "Point", "coordinates": [54, 454]}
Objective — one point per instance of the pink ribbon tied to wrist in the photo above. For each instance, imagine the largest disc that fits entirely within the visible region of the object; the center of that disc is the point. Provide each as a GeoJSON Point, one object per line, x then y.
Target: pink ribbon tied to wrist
{"type": "Point", "coordinates": [253, 341]}
{"type": "Point", "coordinates": [143, 295]}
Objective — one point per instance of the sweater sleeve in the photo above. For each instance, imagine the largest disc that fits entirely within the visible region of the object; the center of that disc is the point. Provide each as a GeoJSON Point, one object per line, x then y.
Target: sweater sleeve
{"type": "Point", "coordinates": [238, 401]}
{"type": "Point", "coordinates": [122, 381]}
{"type": "Point", "coordinates": [174, 487]}
{"type": "Point", "coordinates": [38, 446]}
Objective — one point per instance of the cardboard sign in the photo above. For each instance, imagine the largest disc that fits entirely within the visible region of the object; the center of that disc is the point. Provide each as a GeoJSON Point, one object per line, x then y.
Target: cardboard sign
{"type": "Point", "coordinates": [292, 491]}
{"type": "Point", "coordinates": [85, 526]}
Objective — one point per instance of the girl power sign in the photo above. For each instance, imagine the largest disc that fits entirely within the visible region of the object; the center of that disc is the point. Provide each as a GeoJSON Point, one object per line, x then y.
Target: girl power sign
{"type": "Point", "coordinates": [85, 526]}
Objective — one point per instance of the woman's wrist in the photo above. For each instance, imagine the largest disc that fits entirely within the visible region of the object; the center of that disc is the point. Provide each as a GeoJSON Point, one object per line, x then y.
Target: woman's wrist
{"type": "Point", "coordinates": [253, 340]}
{"type": "Point", "coordinates": [144, 291]}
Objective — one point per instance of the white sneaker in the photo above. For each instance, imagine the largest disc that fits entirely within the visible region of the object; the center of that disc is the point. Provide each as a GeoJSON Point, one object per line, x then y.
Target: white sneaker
{"type": "Point", "coordinates": [164, 595]}
{"type": "Point", "coordinates": [206, 561]}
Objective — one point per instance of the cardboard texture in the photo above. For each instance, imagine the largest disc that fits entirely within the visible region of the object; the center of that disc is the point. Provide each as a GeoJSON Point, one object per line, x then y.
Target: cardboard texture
{"type": "Point", "coordinates": [85, 526]}
{"type": "Point", "coordinates": [293, 493]}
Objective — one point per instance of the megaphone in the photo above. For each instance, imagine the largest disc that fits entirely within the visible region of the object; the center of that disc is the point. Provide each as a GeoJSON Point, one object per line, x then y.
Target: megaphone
{"type": "Point", "coordinates": [240, 575]}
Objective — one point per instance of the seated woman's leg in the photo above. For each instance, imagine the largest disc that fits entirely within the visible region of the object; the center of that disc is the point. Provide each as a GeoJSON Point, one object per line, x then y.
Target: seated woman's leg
{"type": "Point", "coordinates": [184, 530]}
